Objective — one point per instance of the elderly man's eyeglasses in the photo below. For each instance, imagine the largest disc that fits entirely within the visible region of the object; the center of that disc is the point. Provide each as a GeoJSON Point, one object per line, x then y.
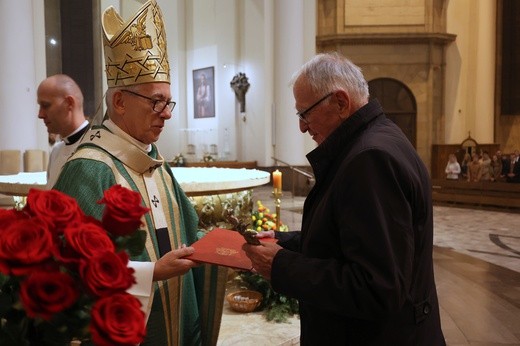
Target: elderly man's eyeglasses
{"type": "Point", "coordinates": [302, 115]}
{"type": "Point", "coordinates": [158, 105]}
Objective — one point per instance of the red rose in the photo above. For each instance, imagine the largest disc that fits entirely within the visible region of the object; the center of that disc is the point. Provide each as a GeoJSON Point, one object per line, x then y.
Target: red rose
{"type": "Point", "coordinates": [44, 294]}
{"type": "Point", "coordinates": [107, 273]}
{"type": "Point", "coordinates": [25, 245]}
{"type": "Point", "coordinates": [84, 241]}
{"type": "Point", "coordinates": [9, 215]}
{"type": "Point", "coordinates": [117, 320]}
{"type": "Point", "coordinates": [123, 210]}
{"type": "Point", "coordinates": [55, 207]}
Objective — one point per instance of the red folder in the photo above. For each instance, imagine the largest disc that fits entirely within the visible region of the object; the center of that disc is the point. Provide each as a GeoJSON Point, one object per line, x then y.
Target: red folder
{"type": "Point", "coordinates": [222, 247]}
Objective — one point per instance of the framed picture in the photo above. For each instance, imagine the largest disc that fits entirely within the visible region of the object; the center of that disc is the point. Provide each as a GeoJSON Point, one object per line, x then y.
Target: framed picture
{"type": "Point", "coordinates": [204, 92]}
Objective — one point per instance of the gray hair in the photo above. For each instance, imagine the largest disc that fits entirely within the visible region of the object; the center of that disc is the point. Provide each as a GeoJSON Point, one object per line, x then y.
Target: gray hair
{"type": "Point", "coordinates": [327, 72]}
{"type": "Point", "coordinates": [108, 100]}
{"type": "Point", "coordinates": [110, 92]}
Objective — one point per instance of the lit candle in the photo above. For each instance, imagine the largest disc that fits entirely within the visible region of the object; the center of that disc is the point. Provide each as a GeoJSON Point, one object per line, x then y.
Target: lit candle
{"type": "Point", "coordinates": [277, 181]}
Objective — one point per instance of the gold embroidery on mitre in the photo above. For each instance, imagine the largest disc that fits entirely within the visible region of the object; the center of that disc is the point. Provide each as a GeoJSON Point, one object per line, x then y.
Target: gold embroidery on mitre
{"type": "Point", "coordinates": [224, 251]}
{"type": "Point", "coordinates": [135, 51]}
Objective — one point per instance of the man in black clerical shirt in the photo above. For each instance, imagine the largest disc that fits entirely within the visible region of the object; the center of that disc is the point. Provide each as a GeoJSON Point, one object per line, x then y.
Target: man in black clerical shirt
{"type": "Point", "coordinates": [61, 109]}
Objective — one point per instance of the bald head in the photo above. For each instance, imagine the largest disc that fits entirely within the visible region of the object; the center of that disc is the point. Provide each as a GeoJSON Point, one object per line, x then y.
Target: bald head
{"type": "Point", "coordinates": [61, 104]}
{"type": "Point", "coordinates": [62, 85]}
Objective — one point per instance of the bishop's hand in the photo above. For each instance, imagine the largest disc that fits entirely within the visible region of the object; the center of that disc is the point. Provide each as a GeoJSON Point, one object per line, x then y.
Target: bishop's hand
{"type": "Point", "coordinates": [172, 264]}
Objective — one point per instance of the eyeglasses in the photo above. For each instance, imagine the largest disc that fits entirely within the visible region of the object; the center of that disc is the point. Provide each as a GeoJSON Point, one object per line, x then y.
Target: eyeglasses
{"type": "Point", "coordinates": [158, 105]}
{"type": "Point", "coordinates": [302, 114]}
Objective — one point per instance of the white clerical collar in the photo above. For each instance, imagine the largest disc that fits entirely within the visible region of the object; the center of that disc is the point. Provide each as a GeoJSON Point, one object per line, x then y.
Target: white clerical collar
{"type": "Point", "coordinates": [119, 132]}
{"type": "Point", "coordinates": [72, 138]}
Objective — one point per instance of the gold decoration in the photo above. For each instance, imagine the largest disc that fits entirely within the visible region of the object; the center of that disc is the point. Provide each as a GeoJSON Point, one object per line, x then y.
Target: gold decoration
{"type": "Point", "coordinates": [224, 251]}
{"type": "Point", "coordinates": [135, 51]}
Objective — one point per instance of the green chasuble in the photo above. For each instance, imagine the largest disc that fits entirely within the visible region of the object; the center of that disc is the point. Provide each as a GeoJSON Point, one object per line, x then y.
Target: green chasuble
{"type": "Point", "coordinates": [182, 309]}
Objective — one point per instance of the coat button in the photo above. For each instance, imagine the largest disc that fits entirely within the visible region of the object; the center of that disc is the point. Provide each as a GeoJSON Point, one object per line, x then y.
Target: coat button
{"type": "Point", "coordinates": [426, 309]}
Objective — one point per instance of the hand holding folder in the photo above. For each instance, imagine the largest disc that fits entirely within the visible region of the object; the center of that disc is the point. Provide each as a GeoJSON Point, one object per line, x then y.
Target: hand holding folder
{"type": "Point", "coordinates": [224, 248]}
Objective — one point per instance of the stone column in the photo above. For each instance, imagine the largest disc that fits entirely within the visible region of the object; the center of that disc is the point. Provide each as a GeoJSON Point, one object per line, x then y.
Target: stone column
{"type": "Point", "coordinates": [290, 42]}
{"type": "Point", "coordinates": [18, 109]}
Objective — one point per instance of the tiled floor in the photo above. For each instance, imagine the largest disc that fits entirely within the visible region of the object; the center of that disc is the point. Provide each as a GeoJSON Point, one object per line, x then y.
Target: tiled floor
{"type": "Point", "coordinates": [489, 235]}
{"type": "Point", "coordinates": [477, 266]}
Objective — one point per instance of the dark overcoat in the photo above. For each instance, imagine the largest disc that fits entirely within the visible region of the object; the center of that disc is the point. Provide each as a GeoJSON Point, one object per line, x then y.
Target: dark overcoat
{"type": "Point", "coordinates": [362, 267]}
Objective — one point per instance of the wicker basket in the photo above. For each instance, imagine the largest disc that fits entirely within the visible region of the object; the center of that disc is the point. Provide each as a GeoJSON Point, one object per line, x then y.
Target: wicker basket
{"type": "Point", "coordinates": [244, 301]}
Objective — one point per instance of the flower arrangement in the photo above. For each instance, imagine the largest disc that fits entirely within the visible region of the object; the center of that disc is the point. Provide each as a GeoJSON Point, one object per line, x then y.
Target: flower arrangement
{"type": "Point", "coordinates": [208, 158]}
{"type": "Point", "coordinates": [179, 161]}
{"type": "Point", "coordinates": [263, 220]}
{"type": "Point", "coordinates": [64, 275]}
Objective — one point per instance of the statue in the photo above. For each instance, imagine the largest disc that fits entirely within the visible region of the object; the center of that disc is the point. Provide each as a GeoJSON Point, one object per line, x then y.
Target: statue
{"type": "Point", "coordinates": [241, 227]}
{"type": "Point", "coordinates": [240, 85]}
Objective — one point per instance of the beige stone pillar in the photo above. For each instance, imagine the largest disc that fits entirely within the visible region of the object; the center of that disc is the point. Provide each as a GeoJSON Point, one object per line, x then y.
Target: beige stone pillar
{"type": "Point", "coordinates": [290, 42]}
{"type": "Point", "coordinates": [18, 111]}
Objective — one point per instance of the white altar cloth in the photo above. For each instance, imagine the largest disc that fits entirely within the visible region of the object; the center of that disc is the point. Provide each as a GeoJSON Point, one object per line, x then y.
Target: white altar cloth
{"type": "Point", "coordinates": [195, 181]}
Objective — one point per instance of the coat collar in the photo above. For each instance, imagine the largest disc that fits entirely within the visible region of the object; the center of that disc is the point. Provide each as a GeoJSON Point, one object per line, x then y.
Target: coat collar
{"type": "Point", "coordinates": [323, 156]}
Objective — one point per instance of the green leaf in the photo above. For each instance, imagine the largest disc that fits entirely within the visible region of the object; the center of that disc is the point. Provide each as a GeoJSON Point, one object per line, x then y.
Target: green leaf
{"type": "Point", "coordinates": [135, 243]}
{"type": "Point", "coordinates": [13, 332]}
{"type": "Point", "coordinates": [278, 308]}
{"type": "Point", "coordinates": [3, 279]}
{"type": "Point", "coordinates": [6, 302]}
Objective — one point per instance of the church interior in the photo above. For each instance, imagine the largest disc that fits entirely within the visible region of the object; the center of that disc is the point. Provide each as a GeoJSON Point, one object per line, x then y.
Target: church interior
{"type": "Point", "coordinates": [444, 71]}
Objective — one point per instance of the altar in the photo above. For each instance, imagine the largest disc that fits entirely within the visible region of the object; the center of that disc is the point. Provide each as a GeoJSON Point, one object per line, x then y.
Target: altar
{"type": "Point", "coordinates": [203, 181]}
{"type": "Point", "coordinates": [195, 181]}
{"type": "Point", "coordinates": [211, 190]}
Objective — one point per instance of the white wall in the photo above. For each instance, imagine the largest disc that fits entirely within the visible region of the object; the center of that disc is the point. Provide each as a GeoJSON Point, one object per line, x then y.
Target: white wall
{"type": "Point", "coordinates": [309, 49]}
{"type": "Point", "coordinates": [233, 37]}
{"type": "Point", "coordinates": [204, 42]}
{"type": "Point", "coordinates": [255, 37]}
{"type": "Point", "coordinates": [256, 56]}
{"type": "Point", "coordinates": [17, 91]}
{"type": "Point", "coordinates": [174, 12]}
{"type": "Point", "coordinates": [293, 46]}
{"type": "Point", "coordinates": [248, 36]}
{"type": "Point", "coordinates": [239, 36]}
{"type": "Point", "coordinates": [205, 35]}
{"type": "Point", "coordinates": [40, 69]}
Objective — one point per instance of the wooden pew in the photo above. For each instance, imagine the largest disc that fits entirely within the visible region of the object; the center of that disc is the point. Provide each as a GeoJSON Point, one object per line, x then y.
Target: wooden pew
{"type": "Point", "coordinates": [477, 194]}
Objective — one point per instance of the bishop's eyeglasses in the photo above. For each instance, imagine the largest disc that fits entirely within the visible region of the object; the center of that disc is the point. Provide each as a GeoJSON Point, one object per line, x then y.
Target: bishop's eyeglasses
{"type": "Point", "coordinates": [158, 105]}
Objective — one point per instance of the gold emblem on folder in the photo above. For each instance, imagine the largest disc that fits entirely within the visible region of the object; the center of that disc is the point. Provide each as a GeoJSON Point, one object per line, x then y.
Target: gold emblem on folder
{"type": "Point", "coordinates": [224, 251]}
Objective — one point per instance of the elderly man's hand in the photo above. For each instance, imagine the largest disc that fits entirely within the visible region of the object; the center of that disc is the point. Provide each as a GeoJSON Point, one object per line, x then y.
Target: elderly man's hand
{"type": "Point", "coordinates": [265, 234]}
{"type": "Point", "coordinates": [262, 257]}
{"type": "Point", "coordinates": [172, 264]}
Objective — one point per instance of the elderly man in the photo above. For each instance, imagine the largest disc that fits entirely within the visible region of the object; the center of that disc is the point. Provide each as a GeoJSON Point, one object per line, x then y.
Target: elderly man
{"type": "Point", "coordinates": [61, 109]}
{"type": "Point", "coordinates": [122, 151]}
{"type": "Point", "coordinates": [361, 267]}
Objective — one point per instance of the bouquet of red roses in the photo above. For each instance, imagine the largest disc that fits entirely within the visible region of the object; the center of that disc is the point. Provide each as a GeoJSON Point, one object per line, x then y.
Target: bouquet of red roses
{"type": "Point", "coordinates": [64, 275]}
